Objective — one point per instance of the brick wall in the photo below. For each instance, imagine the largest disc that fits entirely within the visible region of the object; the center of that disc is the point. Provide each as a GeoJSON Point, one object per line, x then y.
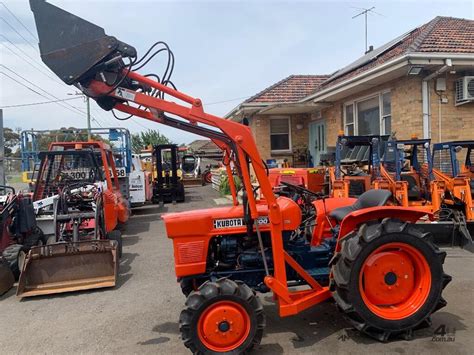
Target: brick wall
{"type": "Point", "coordinates": [407, 111]}
{"type": "Point", "coordinates": [457, 122]}
{"type": "Point", "coordinates": [260, 126]}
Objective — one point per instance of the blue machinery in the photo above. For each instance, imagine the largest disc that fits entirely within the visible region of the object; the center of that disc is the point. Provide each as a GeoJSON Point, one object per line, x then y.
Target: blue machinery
{"type": "Point", "coordinates": [119, 139]}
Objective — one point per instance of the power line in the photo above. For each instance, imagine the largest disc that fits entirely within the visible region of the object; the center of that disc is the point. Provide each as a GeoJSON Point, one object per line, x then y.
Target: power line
{"type": "Point", "coordinates": [19, 34]}
{"type": "Point", "coordinates": [19, 21]}
{"type": "Point", "coordinates": [63, 105]}
{"type": "Point", "coordinates": [40, 88]}
{"type": "Point", "coordinates": [40, 68]}
{"type": "Point", "coordinates": [26, 86]}
{"type": "Point", "coordinates": [57, 101]}
{"type": "Point", "coordinates": [39, 103]}
{"type": "Point", "coordinates": [224, 101]}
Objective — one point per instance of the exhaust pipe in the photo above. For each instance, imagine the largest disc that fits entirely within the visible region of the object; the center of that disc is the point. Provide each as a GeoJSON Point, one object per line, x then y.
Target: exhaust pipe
{"type": "Point", "coordinates": [67, 267]}
{"type": "Point", "coordinates": [73, 47]}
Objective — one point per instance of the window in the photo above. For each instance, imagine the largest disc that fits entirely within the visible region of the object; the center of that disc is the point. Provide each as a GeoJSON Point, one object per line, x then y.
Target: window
{"type": "Point", "coordinates": [349, 122]}
{"type": "Point", "coordinates": [386, 113]}
{"type": "Point", "coordinates": [370, 116]}
{"type": "Point", "coordinates": [280, 134]}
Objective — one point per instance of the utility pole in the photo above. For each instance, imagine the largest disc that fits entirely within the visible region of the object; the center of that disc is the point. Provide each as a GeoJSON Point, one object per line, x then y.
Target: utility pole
{"type": "Point", "coordinates": [365, 12]}
{"type": "Point", "coordinates": [88, 112]}
{"type": "Point", "coordinates": [2, 151]}
{"type": "Point", "coordinates": [88, 118]}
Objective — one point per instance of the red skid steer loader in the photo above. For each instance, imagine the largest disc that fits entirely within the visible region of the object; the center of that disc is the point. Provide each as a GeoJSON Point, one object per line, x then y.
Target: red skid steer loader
{"type": "Point", "coordinates": [385, 275]}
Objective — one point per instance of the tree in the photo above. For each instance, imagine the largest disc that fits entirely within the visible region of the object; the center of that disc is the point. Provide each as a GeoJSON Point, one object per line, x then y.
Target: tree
{"type": "Point", "coordinates": [12, 139]}
{"type": "Point", "coordinates": [64, 134]}
{"type": "Point", "coordinates": [151, 137]}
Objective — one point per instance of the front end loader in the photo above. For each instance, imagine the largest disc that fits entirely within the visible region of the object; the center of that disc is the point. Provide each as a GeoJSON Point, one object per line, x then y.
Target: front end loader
{"type": "Point", "coordinates": [78, 205]}
{"type": "Point", "coordinates": [385, 275]}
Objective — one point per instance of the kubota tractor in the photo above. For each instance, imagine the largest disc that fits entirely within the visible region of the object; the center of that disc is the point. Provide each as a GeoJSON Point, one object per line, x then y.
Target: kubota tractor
{"type": "Point", "coordinates": [385, 275]}
{"type": "Point", "coordinates": [78, 205]}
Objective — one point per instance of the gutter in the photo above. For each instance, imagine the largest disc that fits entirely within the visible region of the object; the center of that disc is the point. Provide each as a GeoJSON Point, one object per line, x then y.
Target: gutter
{"type": "Point", "coordinates": [355, 78]}
{"type": "Point", "coordinates": [371, 72]}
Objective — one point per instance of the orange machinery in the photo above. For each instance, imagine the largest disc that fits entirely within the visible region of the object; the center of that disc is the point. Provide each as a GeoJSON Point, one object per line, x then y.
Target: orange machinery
{"type": "Point", "coordinates": [312, 179]}
{"type": "Point", "coordinates": [384, 274]}
{"type": "Point", "coordinates": [78, 205]}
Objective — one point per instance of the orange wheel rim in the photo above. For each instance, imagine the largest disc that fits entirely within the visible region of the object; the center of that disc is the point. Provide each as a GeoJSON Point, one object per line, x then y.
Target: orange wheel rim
{"type": "Point", "coordinates": [224, 326]}
{"type": "Point", "coordinates": [395, 281]}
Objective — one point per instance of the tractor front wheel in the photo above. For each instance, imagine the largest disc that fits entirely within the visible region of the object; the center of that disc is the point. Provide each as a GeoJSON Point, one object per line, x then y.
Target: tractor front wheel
{"type": "Point", "coordinates": [15, 255]}
{"type": "Point", "coordinates": [222, 317]}
{"type": "Point", "coordinates": [388, 279]}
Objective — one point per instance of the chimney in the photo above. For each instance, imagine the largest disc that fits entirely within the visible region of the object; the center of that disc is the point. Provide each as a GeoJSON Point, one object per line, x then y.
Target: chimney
{"type": "Point", "coordinates": [371, 48]}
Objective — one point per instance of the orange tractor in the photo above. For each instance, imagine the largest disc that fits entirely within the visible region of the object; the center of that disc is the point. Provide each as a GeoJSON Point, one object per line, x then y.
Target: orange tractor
{"type": "Point", "coordinates": [78, 205]}
{"type": "Point", "coordinates": [454, 171]}
{"type": "Point", "coordinates": [384, 274]}
{"type": "Point", "coordinates": [407, 171]}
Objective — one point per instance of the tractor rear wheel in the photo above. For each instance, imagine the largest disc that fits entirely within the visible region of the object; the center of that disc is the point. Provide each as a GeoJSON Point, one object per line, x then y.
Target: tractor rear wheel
{"type": "Point", "coordinates": [222, 317]}
{"type": "Point", "coordinates": [15, 255]}
{"type": "Point", "coordinates": [388, 279]}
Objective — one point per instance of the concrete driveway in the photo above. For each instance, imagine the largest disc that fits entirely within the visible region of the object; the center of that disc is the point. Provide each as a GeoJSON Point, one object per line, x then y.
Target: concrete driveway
{"type": "Point", "coordinates": [140, 315]}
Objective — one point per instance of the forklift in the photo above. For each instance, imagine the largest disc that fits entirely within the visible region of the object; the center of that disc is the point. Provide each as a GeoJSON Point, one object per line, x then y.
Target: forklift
{"type": "Point", "coordinates": [168, 185]}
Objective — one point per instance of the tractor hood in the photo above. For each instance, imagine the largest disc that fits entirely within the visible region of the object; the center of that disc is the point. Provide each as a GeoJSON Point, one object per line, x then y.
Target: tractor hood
{"type": "Point", "coordinates": [227, 220]}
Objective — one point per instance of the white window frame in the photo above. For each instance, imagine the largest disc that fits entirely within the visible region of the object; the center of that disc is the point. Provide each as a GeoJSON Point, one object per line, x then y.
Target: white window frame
{"type": "Point", "coordinates": [290, 146]}
{"type": "Point", "coordinates": [355, 111]}
{"type": "Point", "coordinates": [345, 118]}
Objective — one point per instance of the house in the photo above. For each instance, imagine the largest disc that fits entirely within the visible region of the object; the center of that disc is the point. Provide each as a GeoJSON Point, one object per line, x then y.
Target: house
{"type": "Point", "coordinates": [205, 148]}
{"type": "Point", "coordinates": [418, 84]}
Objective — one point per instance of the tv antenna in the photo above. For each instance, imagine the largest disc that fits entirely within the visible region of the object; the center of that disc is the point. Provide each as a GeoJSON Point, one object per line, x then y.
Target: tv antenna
{"type": "Point", "coordinates": [364, 12]}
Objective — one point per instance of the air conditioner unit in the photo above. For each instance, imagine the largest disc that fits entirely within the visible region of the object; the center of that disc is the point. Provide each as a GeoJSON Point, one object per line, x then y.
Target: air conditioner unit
{"type": "Point", "coordinates": [464, 90]}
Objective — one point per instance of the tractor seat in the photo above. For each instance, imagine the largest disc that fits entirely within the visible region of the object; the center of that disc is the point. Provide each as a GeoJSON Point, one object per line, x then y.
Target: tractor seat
{"type": "Point", "coordinates": [414, 192]}
{"type": "Point", "coordinates": [371, 198]}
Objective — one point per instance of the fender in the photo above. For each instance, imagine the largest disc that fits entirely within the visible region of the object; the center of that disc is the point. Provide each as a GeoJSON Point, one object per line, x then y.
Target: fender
{"type": "Point", "coordinates": [352, 220]}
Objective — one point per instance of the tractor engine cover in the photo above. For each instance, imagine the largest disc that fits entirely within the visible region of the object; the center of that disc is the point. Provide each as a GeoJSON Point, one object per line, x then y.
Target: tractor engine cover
{"type": "Point", "coordinates": [192, 231]}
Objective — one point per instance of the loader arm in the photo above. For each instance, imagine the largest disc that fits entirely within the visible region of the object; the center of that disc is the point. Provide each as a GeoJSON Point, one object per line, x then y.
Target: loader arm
{"type": "Point", "coordinates": [81, 54]}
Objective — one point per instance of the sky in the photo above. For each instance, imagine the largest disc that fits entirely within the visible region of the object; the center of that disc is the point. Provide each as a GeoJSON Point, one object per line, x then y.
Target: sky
{"type": "Point", "coordinates": [225, 51]}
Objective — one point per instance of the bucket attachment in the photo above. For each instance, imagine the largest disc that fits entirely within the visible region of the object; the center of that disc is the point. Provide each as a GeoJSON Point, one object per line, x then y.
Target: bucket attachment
{"type": "Point", "coordinates": [6, 277]}
{"type": "Point", "coordinates": [66, 267]}
{"type": "Point", "coordinates": [71, 46]}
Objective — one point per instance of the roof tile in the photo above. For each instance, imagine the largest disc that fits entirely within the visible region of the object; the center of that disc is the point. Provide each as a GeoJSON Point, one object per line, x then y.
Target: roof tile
{"type": "Point", "coordinates": [290, 89]}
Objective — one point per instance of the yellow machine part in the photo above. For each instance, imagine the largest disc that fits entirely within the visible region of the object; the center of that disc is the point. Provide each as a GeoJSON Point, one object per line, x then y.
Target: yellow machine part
{"type": "Point", "coordinates": [67, 267]}
{"type": "Point", "coordinates": [27, 176]}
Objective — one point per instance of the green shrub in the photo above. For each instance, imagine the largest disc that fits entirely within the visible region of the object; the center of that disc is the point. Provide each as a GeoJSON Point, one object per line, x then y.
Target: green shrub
{"type": "Point", "coordinates": [224, 187]}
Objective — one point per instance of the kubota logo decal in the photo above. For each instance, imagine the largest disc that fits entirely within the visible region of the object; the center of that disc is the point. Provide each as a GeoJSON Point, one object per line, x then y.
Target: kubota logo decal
{"type": "Point", "coordinates": [236, 222]}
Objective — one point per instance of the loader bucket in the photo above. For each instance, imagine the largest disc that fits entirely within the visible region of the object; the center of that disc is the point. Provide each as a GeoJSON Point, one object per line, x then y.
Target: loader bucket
{"type": "Point", "coordinates": [6, 277]}
{"type": "Point", "coordinates": [71, 46]}
{"type": "Point", "coordinates": [66, 267]}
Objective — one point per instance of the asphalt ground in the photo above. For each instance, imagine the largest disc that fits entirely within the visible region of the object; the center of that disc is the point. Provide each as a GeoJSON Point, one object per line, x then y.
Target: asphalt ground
{"type": "Point", "coordinates": [140, 315]}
